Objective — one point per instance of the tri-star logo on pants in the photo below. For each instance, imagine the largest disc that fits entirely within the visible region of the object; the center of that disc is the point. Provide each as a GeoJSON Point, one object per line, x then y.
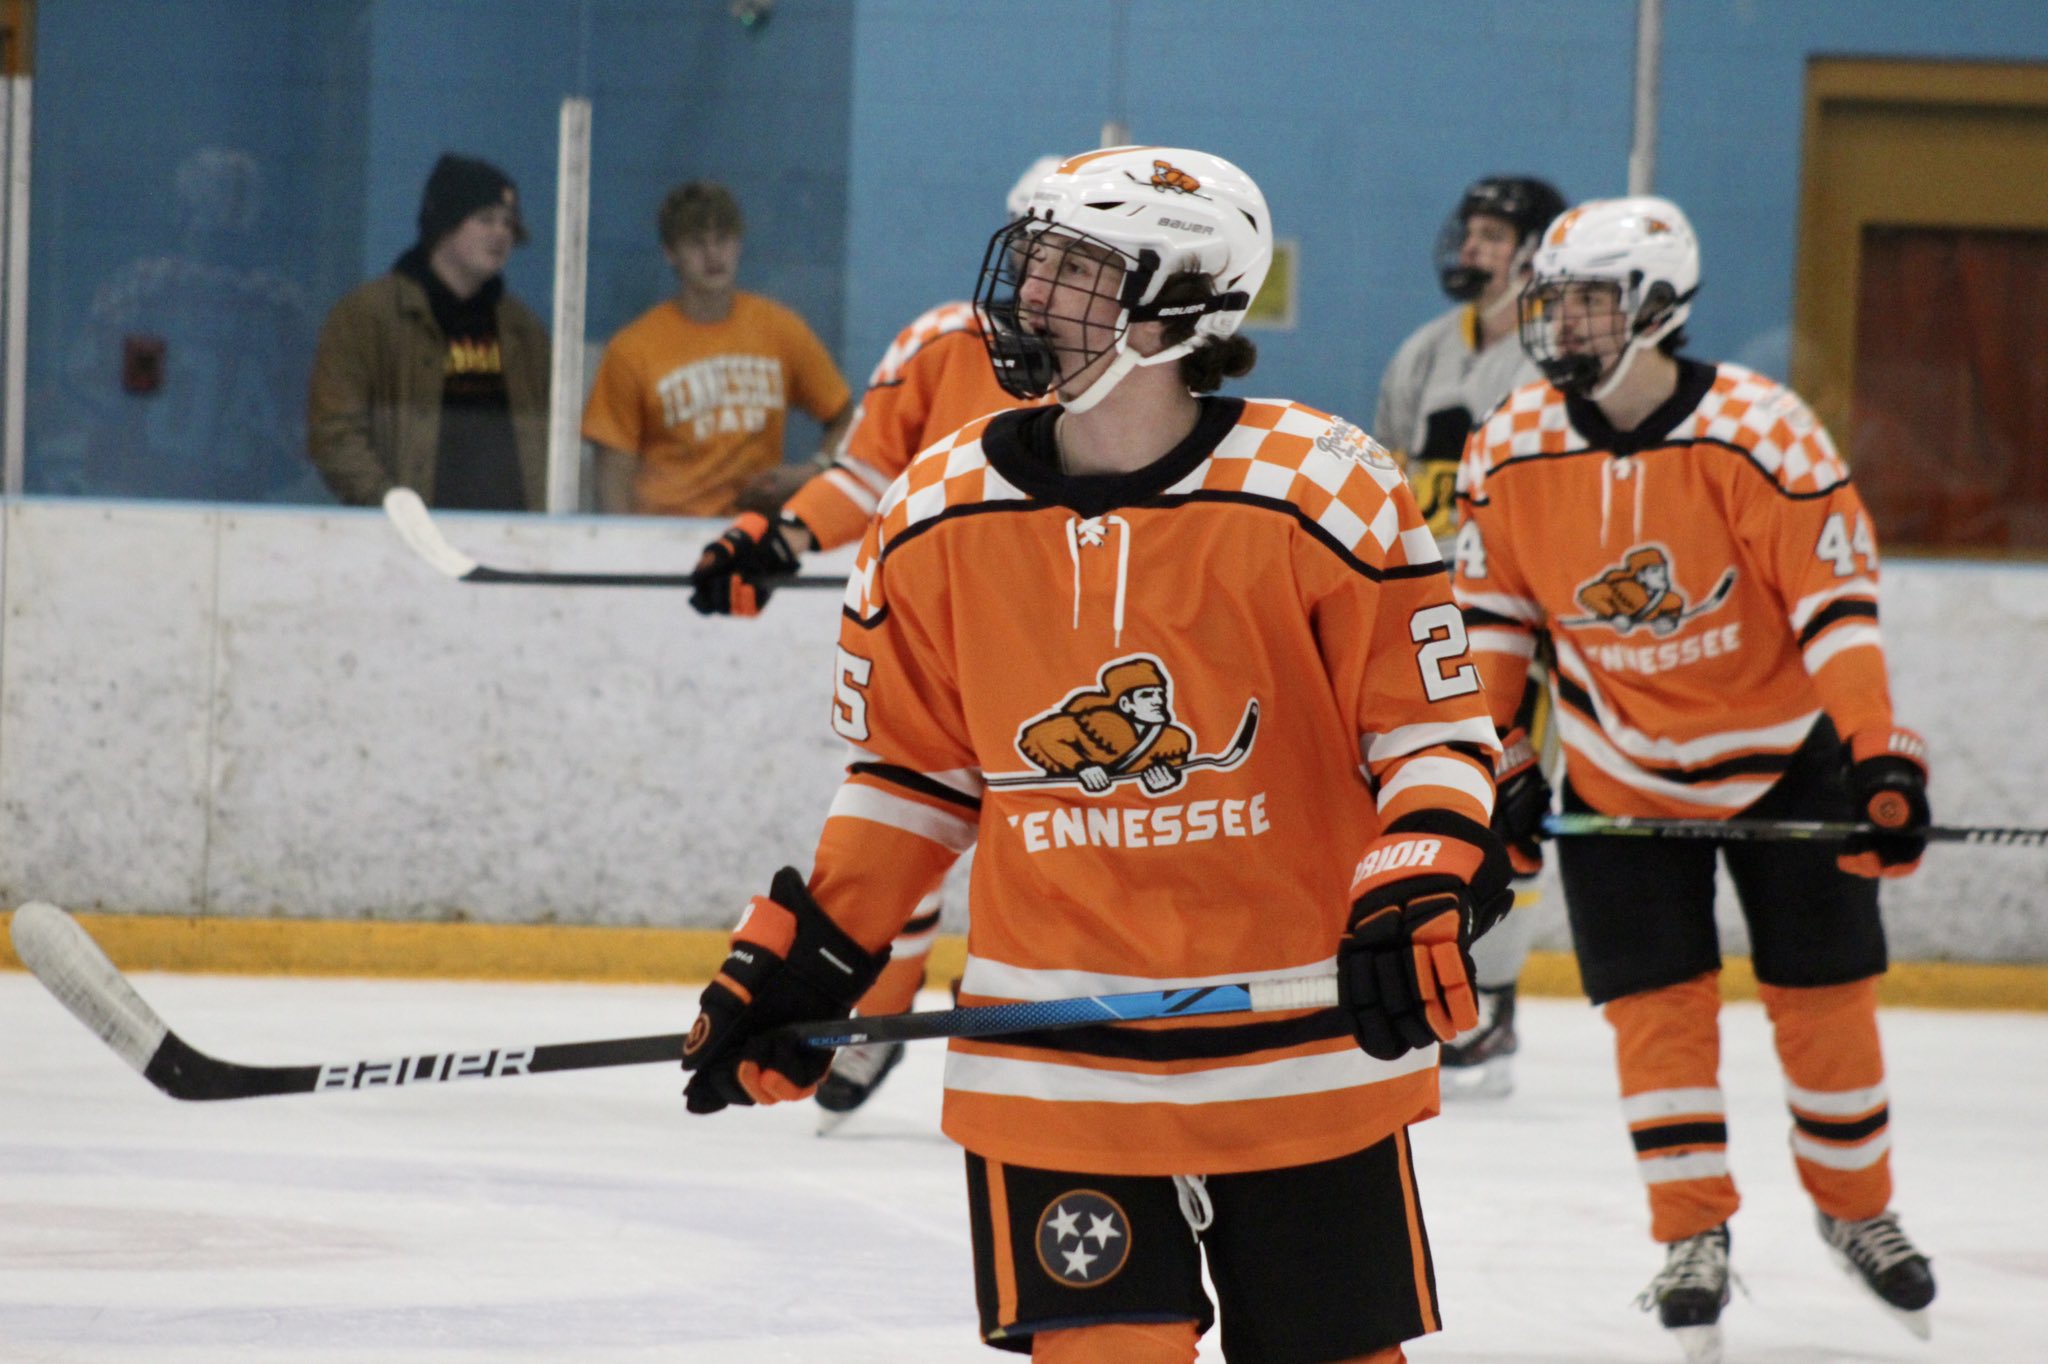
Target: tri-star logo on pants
{"type": "Point", "coordinates": [1084, 1238]}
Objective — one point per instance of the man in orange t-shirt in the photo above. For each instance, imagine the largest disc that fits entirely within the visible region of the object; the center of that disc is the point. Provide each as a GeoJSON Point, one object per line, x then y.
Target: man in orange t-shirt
{"type": "Point", "coordinates": [687, 409]}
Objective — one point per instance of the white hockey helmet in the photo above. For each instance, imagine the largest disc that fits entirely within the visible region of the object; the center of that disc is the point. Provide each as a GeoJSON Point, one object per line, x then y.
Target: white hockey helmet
{"type": "Point", "coordinates": [1162, 211]}
{"type": "Point", "coordinates": [1643, 247]}
{"type": "Point", "coordinates": [1019, 200]}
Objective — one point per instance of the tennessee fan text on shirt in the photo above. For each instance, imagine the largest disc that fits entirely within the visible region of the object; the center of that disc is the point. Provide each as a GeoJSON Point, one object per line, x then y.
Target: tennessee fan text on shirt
{"type": "Point", "coordinates": [1662, 658]}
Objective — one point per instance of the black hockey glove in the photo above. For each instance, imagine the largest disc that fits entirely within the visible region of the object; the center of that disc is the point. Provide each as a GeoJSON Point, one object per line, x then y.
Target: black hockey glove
{"type": "Point", "coordinates": [1888, 786]}
{"type": "Point", "coordinates": [737, 571]}
{"type": "Point", "coordinates": [790, 964]}
{"type": "Point", "coordinates": [1521, 800]}
{"type": "Point", "coordinates": [1422, 894]}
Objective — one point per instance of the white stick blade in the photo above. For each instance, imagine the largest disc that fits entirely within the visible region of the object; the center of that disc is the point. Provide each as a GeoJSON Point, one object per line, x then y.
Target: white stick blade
{"type": "Point", "coordinates": [409, 515]}
{"type": "Point", "coordinates": [71, 966]}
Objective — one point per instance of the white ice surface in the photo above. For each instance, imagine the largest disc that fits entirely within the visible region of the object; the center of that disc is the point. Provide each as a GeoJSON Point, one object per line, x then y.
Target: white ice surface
{"type": "Point", "coordinates": [585, 1217]}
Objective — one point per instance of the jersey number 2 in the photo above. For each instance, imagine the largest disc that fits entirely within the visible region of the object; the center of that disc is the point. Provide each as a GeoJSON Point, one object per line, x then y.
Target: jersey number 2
{"type": "Point", "coordinates": [1440, 630]}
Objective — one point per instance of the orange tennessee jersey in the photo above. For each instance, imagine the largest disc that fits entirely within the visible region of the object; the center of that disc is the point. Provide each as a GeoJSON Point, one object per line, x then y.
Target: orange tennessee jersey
{"type": "Point", "coordinates": [702, 404]}
{"type": "Point", "coordinates": [1168, 709]}
{"type": "Point", "coordinates": [1709, 580]}
{"type": "Point", "coordinates": [933, 380]}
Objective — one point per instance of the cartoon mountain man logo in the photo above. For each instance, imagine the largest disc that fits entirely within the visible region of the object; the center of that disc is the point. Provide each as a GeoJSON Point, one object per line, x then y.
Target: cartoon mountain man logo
{"type": "Point", "coordinates": [1120, 729]}
{"type": "Point", "coordinates": [1166, 175]}
{"type": "Point", "coordinates": [1641, 590]}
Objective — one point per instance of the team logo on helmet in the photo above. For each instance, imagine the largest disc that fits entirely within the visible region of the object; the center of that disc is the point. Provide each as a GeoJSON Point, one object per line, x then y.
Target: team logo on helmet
{"type": "Point", "coordinates": [1562, 228]}
{"type": "Point", "coordinates": [1641, 590]}
{"type": "Point", "coordinates": [1121, 728]}
{"type": "Point", "coordinates": [1084, 1239]}
{"type": "Point", "coordinates": [1166, 175]}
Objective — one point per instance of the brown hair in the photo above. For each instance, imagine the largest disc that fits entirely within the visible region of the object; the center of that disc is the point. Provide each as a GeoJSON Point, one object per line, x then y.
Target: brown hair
{"type": "Point", "coordinates": [1205, 368]}
{"type": "Point", "coordinates": [701, 208]}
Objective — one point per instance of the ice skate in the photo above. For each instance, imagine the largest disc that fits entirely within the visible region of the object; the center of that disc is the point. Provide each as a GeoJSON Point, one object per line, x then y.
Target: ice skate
{"type": "Point", "coordinates": [1478, 1063]}
{"type": "Point", "coordinates": [857, 1072]}
{"type": "Point", "coordinates": [1690, 1291]}
{"type": "Point", "coordinates": [1877, 1251]}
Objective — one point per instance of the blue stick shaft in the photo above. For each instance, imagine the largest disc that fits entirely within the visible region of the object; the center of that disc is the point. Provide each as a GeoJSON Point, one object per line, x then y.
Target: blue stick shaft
{"type": "Point", "coordinates": [990, 1020]}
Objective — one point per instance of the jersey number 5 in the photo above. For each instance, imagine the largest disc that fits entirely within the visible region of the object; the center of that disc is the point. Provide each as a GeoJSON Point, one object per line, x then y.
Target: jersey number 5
{"type": "Point", "coordinates": [849, 701]}
{"type": "Point", "coordinates": [1440, 630]}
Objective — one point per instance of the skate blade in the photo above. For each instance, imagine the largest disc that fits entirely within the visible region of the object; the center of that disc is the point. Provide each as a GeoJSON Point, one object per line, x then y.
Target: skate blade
{"type": "Point", "coordinates": [1702, 1344]}
{"type": "Point", "coordinates": [1913, 1319]}
{"type": "Point", "coordinates": [1493, 1079]}
{"type": "Point", "coordinates": [829, 1121]}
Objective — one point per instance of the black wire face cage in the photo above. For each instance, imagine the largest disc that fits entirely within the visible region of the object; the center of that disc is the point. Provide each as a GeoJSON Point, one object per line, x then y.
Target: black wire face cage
{"type": "Point", "coordinates": [1461, 282]}
{"type": "Point", "coordinates": [1083, 269]}
{"type": "Point", "coordinates": [1545, 311]}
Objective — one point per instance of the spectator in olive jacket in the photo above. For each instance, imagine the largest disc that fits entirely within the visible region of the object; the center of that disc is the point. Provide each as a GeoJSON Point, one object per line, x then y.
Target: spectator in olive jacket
{"type": "Point", "coordinates": [433, 376]}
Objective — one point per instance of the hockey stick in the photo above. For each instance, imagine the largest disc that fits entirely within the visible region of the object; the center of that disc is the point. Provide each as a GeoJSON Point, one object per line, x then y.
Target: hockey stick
{"type": "Point", "coordinates": [1775, 830]}
{"type": "Point", "coordinates": [416, 527]}
{"type": "Point", "coordinates": [74, 969]}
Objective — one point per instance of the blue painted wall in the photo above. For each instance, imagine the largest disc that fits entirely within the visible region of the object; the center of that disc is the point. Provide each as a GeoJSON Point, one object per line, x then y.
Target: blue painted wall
{"type": "Point", "coordinates": [1363, 121]}
{"type": "Point", "coordinates": [871, 143]}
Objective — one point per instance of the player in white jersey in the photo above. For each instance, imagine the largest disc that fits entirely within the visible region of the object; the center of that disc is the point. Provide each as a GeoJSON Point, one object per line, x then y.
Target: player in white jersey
{"type": "Point", "coordinates": [1441, 384]}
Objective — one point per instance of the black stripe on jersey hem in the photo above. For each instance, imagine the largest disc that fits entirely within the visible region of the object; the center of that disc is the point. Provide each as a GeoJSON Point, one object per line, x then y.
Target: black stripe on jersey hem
{"type": "Point", "coordinates": [1832, 612]}
{"type": "Point", "coordinates": [1569, 693]}
{"type": "Point", "coordinates": [1859, 1130]}
{"type": "Point", "coordinates": [919, 923]}
{"type": "Point", "coordinates": [1113, 1042]}
{"type": "Point", "coordinates": [911, 780]}
{"type": "Point", "coordinates": [1668, 1135]}
{"type": "Point", "coordinates": [886, 383]}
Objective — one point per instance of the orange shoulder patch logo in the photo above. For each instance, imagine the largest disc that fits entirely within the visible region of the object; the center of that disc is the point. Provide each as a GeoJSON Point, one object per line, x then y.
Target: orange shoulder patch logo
{"type": "Point", "coordinates": [1642, 590]}
{"type": "Point", "coordinates": [1166, 175]}
{"type": "Point", "coordinates": [1121, 728]}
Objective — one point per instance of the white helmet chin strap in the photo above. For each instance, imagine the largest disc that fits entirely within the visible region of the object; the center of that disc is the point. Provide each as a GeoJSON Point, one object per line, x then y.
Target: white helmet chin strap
{"type": "Point", "coordinates": [1628, 357]}
{"type": "Point", "coordinates": [1126, 361]}
{"type": "Point", "coordinates": [1613, 381]}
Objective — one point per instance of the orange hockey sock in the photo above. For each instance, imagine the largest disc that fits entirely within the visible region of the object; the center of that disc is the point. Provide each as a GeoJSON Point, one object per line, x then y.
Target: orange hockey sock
{"type": "Point", "coordinates": [1667, 1046]}
{"type": "Point", "coordinates": [1834, 1084]}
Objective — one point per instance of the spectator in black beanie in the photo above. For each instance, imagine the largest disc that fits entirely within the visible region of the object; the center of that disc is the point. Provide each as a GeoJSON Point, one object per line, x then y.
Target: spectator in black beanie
{"type": "Point", "coordinates": [433, 376]}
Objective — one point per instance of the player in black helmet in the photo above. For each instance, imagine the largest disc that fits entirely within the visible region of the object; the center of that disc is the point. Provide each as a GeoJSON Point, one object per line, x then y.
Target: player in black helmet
{"type": "Point", "coordinates": [1442, 382]}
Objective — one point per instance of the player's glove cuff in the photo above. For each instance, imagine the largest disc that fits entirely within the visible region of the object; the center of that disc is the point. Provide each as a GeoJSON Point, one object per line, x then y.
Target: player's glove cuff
{"type": "Point", "coordinates": [736, 572]}
{"type": "Point", "coordinates": [1521, 800]}
{"type": "Point", "coordinates": [790, 963]}
{"type": "Point", "coordinates": [1888, 788]}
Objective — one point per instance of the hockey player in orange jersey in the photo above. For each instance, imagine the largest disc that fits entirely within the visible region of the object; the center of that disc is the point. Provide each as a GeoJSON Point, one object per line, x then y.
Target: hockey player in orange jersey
{"type": "Point", "coordinates": [1255, 576]}
{"type": "Point", "coordinates": [934, 378]}
{"type": "Point", "coordinates": [1638, 488]}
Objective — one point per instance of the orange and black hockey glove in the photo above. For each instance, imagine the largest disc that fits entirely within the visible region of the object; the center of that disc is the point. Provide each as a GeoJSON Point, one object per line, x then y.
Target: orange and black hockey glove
{"type": "Point", "coordinates": [737, 571]}
{"type": "Point", "coordinates": [1521, 800]}
{"type": "Point", "coordinates": [1422, 894]}
{"type": "Point", "coordinates": [1888, 787]}
{"type": "Point", "coordinates": [790, 964]}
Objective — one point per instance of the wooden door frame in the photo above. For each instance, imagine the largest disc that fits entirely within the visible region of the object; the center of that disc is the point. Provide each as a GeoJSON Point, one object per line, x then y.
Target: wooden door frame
{"type": "Point", "coordinates": [1921, 180]}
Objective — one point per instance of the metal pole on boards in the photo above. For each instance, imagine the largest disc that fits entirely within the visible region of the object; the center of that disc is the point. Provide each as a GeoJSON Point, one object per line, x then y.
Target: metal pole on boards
{"type": "Point", "coordinates": [572, 259]}
{"type": "Point", "coordinates": [1116, 129]}
{"type": "Point", "coordinates": [1642, 152]}
{"type": "Point", "coordinates": [14, 129]}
